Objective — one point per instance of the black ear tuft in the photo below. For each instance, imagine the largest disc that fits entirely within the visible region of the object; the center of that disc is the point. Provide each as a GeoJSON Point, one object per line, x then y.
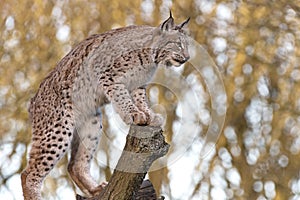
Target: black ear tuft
{"type": "Point", "coordinates": [180, 26]}
{"type": "Point", "coordinates": [171, 14]}
{"type": "Point", "coordinates": [168, 24]}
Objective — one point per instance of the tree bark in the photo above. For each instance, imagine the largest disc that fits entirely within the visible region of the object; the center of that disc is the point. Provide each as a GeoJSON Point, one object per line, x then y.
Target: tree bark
{"type": "Point", "coordinates": [144, 144]}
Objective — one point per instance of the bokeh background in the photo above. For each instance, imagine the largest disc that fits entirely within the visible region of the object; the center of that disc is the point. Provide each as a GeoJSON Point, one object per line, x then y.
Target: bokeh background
{"type": "Point", "coordinates": [254, 44]}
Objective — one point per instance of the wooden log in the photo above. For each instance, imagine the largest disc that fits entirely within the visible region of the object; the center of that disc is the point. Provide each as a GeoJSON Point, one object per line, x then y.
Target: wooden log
{"type": "Point", "coordinates": [144, 144]}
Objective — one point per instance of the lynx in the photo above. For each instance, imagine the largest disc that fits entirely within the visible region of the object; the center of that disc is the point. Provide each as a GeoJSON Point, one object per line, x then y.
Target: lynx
{"type": "Point", "coordinates": [111, 67]}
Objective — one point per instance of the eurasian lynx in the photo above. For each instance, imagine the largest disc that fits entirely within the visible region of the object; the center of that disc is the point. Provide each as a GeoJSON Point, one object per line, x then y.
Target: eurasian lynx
{"type": "Point", "coordinates": [111, 67]}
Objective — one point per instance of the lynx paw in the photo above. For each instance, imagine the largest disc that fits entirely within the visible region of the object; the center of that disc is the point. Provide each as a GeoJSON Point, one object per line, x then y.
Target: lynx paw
{"type": "Point", "coordinates": [99, 188]}
{"type": "Point", "coordinates": [137, 118]}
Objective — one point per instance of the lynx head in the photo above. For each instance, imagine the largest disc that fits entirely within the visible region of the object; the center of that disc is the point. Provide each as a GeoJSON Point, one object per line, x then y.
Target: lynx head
{"type": "Point", "coordinates": [171, 43]}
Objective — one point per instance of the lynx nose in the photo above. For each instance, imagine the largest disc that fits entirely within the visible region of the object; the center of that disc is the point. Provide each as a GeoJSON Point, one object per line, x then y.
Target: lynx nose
{"type": "Point", "coordinates": [186, 55]}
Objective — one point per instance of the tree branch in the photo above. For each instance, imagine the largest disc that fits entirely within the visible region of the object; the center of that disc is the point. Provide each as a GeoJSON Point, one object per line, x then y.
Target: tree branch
{"type": "Point", "coordinates": [144, 144]}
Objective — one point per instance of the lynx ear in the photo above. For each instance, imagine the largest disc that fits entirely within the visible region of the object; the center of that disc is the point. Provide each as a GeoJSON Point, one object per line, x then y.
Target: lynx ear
{"type": "Point", "coordinates": [180, 26]}
{"type": "Point", "coordinates": [168, 24]}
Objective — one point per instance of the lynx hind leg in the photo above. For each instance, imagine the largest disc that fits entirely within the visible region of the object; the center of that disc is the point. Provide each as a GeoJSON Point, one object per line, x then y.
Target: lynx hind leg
{"type": "Point", "coordinates": [49, 144]}
{"type": "Point", "coordinates": [84, 145]}
{"type": "Point", "coordinates": [141, 101]}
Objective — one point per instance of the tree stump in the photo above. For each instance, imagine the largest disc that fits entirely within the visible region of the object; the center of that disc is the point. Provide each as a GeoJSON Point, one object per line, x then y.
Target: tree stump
{"type": "Point", "coordinates": [144, 144]}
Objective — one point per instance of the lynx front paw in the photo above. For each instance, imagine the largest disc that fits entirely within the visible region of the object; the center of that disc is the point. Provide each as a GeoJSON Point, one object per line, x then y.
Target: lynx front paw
{"type": "Point", "coordinates": [137, 118]}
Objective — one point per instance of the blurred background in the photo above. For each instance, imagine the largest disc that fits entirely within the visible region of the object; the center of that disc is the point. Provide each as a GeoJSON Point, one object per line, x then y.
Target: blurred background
{"type": "Point", "coordinates": [254, 44]}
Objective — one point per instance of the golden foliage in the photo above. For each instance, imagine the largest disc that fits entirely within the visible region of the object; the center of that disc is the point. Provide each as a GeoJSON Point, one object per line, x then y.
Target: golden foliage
{"type": "Point", "coordinates": [260, 66]}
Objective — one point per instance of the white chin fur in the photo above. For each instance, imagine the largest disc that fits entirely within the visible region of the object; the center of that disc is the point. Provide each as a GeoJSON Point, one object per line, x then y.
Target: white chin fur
{"type": "Point", "coordinates": [174, 63]}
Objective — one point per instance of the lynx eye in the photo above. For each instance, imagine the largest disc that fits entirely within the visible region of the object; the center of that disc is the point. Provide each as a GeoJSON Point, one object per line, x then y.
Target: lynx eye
{"type": "Point", "coordinates": [180, 46]}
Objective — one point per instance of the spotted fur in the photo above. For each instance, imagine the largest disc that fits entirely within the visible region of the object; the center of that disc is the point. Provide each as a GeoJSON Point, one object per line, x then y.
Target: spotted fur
{"type": "Point", "coordinates": [111, 67]}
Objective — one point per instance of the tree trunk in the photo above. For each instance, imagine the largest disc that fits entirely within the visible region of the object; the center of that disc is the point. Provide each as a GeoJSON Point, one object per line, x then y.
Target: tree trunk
{"type": "Point", "coordinates": [144, 144]}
